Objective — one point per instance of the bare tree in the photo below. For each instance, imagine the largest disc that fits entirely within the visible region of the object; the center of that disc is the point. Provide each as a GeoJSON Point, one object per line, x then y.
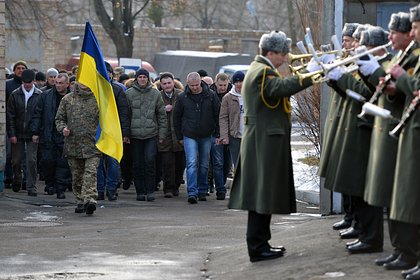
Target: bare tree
{"type": "Point", "coordinates": [120, 27]}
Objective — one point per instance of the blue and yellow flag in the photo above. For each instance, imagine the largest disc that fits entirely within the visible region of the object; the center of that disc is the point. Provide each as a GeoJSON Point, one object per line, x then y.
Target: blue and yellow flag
{"type": "Point", "coordinates": [93, 74]}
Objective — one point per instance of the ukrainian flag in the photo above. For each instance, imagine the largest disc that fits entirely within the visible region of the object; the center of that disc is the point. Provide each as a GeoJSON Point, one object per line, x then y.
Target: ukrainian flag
{"type": "Point", "coordinates": [93, 74]}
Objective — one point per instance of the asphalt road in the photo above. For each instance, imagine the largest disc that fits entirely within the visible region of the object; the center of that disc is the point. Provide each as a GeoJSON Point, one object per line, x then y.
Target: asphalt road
{"type": "Point", "coordinates": [42, 238]}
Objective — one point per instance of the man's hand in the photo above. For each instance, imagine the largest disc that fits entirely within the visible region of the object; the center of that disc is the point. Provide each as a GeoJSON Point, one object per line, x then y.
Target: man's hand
{"type": "Point", "coordinates": [13, 139]}
{"type": "Point", "coordinates": [35, 138]}
{"type": "Point", "coordinates": [396, 71]}
{"type": "Point", "coordinates": [126, 140]}
{"type": "Point", "coordinates": [161, 141]}
{"type": "Point", "coordinates": [181, 142]}
{"type": "Point", "coordinates": [218, 141]}
{"type": "Point", "coordinates": [66, 132]}
{"type": "Point", "coordinates": [225, 141]}
{"type": "Point", "coordinates": [168, 108]}
{"type": "Point", "coordinates": [390, 88]}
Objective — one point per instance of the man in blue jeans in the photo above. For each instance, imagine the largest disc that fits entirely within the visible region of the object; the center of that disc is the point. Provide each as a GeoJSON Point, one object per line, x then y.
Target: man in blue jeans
{"type": "Point", "coordinates": [196, 122]}
{"type": "Point", "coordinates": [108, 171]}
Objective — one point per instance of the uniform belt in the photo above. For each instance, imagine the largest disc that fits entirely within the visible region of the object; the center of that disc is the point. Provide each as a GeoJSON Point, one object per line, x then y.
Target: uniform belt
{"type": "Point", "coordinates": [250, 120]}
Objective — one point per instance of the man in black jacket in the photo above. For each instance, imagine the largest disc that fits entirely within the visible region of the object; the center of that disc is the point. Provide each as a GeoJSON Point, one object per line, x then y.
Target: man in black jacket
{"type": "Point", "coordinates": [196, 121]}
{"type": "Point", "coordinates": [54, 165]}
{"type": "Point", "coordinates": [21, 107]}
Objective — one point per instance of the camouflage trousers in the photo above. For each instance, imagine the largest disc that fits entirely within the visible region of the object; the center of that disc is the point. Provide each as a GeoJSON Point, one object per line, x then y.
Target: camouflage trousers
{"type": "Point", "coordinates": [83, 171]}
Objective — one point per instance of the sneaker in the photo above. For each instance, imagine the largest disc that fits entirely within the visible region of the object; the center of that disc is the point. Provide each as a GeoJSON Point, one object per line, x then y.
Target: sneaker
{"type": "Point", "coordinates": [221, 196]}
{"type": "Point", "coordinates": [192, 200]}
{"type": "Point", "coordinates": [150, 197]}
{"type": "Point", "coordinates": [101, 196]}
{"type": "Point", "coordinates": [202, 197]}
{"type": "Point", "coordinates": [80, 209]}
{"type": "Point", "coordinates": [90, 208]}
{"type": "Point", "coordinates": [141, 197]}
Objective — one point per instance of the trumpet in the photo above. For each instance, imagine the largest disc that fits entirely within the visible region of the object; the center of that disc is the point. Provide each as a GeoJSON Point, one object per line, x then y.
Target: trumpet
{"type": "Point", "coordinates": [369, 108]}
{"type": "Point", "coordinates": [301, 57]}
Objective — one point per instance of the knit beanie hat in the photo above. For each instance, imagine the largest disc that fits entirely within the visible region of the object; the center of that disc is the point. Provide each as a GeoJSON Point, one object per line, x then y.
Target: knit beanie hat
{"type": "Point", "coordinates": [52, 72]}
{"type": "Point", "coordinates": [374, 36]}
{"type": "Point", "coordinates": [415, 13]}
{"type": "Point", "coordinates": [400, 22]}
{"type": "Point", "coordinates": [202, 73]}
{"type": "Point", "coordinates": [19, 62]}
{"type": "Point", "coordinates": [349, 29]}
{"type": "Point", "coordinates": [275, 41]}
{"type": "Point", "coordinates": [143, 72]}
{"type": "Point", "coordinates": [238, 76]}
{"type": "Point", "coordinates": [39, 76]}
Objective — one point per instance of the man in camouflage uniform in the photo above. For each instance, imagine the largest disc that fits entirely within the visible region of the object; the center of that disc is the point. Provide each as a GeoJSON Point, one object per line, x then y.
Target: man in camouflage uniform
{"type": "Point", "coordinates": [77, 118]}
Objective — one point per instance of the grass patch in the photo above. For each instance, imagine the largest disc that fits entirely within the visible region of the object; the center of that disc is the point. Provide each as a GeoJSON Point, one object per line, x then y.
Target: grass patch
{"type": "Point", "coordinates": [310, 160]}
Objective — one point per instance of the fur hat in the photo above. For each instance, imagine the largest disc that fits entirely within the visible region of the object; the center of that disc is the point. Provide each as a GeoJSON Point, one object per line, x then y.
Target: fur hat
{"type": "Point", "coordinates": [143, 72]}
{"type": "Point", "coordinates": [19, 62]}
{"type": "Point", "coordinates": [358, 32]}
{"type": "Point", "coordinates": [238, 76]}
{"type": "Point", "coordinates": [275, 41]}
{"type": "Point", "coordinates": [415, 13]}
{"type": "Point", "coordinates": [28, 76]}
{"type": "Point", "coordinates": [400, 22]}
{"type": "Point", "coordinates": [374, 36]}
{"type": "Point", "coordinates": [52, 72]}
{"type": "Point", "coordinates": [349, 29]}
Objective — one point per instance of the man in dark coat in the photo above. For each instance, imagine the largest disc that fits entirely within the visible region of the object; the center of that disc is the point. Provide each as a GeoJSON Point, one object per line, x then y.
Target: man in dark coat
{"type": "Point", "coordinates": [263, 182]}
{"type": "Point", "coordinates": [54, 165]}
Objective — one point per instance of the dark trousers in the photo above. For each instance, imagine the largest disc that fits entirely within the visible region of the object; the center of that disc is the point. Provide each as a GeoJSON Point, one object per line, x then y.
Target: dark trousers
{"type": "Point", "coordinates": [258, 232]}
{"type": "Point", "coordinates": [371, 222]}
{"type": "Point", "coordinates": [144, 164]}
{"type": "Point", "coordinates": [404, 237]}
{"type": "Point", "coordinates": [126, 165]}
{"type": "Point", "coordinates": [173, 164]}
{"type": "Point", "coordinates": [54, 167]}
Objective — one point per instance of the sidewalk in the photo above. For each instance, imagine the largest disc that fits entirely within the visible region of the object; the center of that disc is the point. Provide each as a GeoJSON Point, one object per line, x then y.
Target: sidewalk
{"type": "Point", "coordinates": [42, 238]}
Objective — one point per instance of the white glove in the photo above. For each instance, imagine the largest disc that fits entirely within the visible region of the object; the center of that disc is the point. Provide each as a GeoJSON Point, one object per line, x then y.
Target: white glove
{"type": "Point", "coordinates": [327, 58]}
{"type": "Point", "coordinates": [367, 67]}
{"type": "Point", "coordinates": [313, 66]}
{"type": "Point", "coordinates": [336, 73]}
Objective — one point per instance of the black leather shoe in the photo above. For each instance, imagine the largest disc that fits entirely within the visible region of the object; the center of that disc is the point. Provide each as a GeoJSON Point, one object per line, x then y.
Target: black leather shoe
{"type": "Point", "coordinates": [50, 190]}
{"type": "Point", "coordinates": [407, 272]}
{"type": "Point", "coordinates": [399, 264]}
{"type": "Point", "coordinates": [192, 200]}
{"type": "Point", "coordinates": [90, 208]}
{"type": "Point", "coordinates": [349, 234]}
{"type": "Point", "coordinates": [387, 259]}
{"type": "Point", "coordinates": [16, 187]}
{"type": "Point", "coordinates": [112, 196]}
{"type": "Point", "coordinates": [361, 248]}
{"type": "Point", "coordinates": [343, 224]}
{"type": "Point", "coordinates": [202, 197]}
{"type": "Point", "coordinates": [220, 196]}
{"type": "Point", "coordinates": [61, 195]}
{"type": "Point", "coordinates": [32, 193]}
{"type": "Point", "coordinates": [265, 255]}
{"type": "Point", "coordinates": [352, 242]}
{"type": "Point", "coordinates": [414, 276]}
{"type": "Point", "coordinates": [101, 196]}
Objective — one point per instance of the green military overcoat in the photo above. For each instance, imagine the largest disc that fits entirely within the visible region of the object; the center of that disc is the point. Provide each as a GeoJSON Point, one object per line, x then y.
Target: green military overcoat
{"type": "Point", "coordinates": [406, 195]}
{"type": "Point", "coordinates": [351, 143]}
{"type": "Point", "coordinates": [263, 179]}
{"type": "Point", "coordinates": [383, 152]}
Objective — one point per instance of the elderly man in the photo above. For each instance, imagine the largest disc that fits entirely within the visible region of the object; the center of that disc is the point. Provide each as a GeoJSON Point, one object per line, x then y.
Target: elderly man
{"type": "Point", "coordinates": [263, 184]}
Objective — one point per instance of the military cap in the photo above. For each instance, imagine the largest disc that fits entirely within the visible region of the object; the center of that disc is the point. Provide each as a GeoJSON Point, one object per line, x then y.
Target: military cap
{"type": "Point", "coordinates": [275, 41]}
{"type": "Point", "coordinates": [400, 22]}
{"type": "Point", "coordinates": [374, 36]}
{"type": "Point", "coordinates": [415, 13]}
{"type": "Point", "coordinates": [349, 29]}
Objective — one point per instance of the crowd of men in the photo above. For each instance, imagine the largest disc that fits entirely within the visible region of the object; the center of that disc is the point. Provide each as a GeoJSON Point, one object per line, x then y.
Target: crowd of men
{"type": "Point", "coordinates": [167, 127]}
{"type": "Point", "coordinates": [52, 123]}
